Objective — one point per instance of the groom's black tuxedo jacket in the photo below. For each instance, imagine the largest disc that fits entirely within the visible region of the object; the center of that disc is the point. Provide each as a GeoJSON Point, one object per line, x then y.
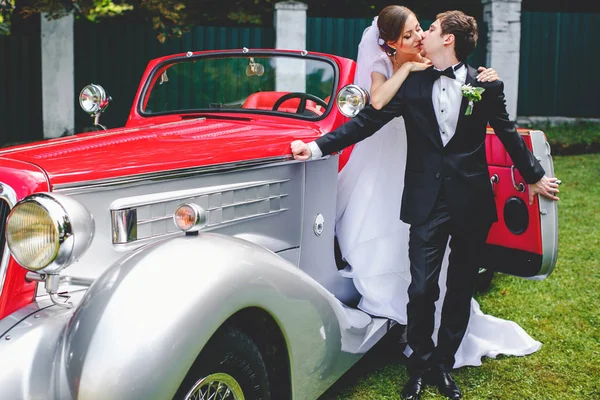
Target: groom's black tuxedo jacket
{"type": "Point", "coordinates": [461, 165]}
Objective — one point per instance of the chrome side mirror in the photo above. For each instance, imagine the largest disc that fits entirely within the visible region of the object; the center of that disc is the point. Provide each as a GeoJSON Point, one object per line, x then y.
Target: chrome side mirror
{"type": "Point", "coordinates": [94, 100]}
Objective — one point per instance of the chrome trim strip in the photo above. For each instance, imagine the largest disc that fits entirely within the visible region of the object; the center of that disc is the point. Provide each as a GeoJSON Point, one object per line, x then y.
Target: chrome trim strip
{"type": "Point", "coordinates": [77, 281]}
{"type": "Point", "coordinates": [155, 198]}
{"type": "Point", "coordinates": [31, 276]}
{"type": "Point", "coordinates": [10, 196]}
{"type": "Point", "coordinates": [100, 184]}
{"type": "Point", "coordinates": [548, 209]}
{"type": "Point", "coordinates": [124, 225]}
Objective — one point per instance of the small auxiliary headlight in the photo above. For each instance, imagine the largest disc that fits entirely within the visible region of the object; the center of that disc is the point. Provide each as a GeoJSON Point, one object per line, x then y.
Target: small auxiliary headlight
{"type": "Point", "coordinates": [46, 232]}
{"type": "Point", "coordinates": [189, 217]}
{"type": "Point", "coordinates": [351, 99]}
{"type": "Point", "coordinates": [93, 99]}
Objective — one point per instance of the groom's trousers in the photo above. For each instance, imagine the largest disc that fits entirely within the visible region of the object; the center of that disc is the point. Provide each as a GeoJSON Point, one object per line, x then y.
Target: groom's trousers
{"type": "Point", "coordinates": [427, 246]}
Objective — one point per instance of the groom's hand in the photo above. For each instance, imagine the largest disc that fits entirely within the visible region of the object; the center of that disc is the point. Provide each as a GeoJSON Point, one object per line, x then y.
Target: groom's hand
{"type": "Point", "coordinates": [300, 150]}
{"type": "Point", "coordinates": [547, 187]}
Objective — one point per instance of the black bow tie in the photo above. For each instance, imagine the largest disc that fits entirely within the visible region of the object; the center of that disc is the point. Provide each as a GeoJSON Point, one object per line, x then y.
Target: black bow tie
{"type": "Point", "coordinates": [449, 72]}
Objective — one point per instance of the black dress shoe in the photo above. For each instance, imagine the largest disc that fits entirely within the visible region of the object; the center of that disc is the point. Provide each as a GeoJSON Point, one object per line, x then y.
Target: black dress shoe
{"type": "Point", "coordinates": [446, 385]}
{"type": "Point", "coordinates": [413, 388]}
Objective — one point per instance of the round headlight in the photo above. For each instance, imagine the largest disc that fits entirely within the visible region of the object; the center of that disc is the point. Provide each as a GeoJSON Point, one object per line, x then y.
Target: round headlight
{"type": "Point", "coordinates": [47, 232]}
{"type": "Point", "coordinates": [351, 99]}
{"type": "Point", "coordinates": [189, 217]}
{"type": "Point", "coordinates": [33, 237]}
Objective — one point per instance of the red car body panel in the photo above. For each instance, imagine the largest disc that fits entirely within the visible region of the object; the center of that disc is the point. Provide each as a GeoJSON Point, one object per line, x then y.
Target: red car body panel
{"type": "Point", "coordinates": [25, 179]}
{"type": "Point", "coordinates": [500, 163]}
{"type": "Point", "coordinates": [170, 146]}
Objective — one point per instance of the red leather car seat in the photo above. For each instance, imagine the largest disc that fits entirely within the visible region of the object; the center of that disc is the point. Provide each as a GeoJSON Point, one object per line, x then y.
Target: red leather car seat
{"type": "Point", "coordinates": [266, 100]}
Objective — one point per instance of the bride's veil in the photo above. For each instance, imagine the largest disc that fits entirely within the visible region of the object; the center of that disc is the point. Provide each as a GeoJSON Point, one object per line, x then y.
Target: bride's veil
{"type": "Point", "coordinates": [368, 52]}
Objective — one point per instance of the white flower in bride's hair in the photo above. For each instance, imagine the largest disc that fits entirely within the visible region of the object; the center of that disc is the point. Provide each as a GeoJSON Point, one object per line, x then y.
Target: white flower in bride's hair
{"type": "Point", "coordinates": [473, 94]}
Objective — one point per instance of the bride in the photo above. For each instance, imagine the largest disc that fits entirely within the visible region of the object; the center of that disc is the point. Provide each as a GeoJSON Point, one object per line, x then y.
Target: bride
{"type": "Point", "coordinates": [372, 239]}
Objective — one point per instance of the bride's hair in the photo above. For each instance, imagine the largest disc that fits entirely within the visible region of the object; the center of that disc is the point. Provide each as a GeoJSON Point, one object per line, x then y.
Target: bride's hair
{"type": "Point", "coordinates": [391, 22]}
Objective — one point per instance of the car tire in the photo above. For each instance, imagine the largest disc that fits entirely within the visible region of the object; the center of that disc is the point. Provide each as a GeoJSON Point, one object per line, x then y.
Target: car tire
{"type": "Point", "coordinates": [232, 359]}
{"type": "Point", "coordinates": [484, 280]}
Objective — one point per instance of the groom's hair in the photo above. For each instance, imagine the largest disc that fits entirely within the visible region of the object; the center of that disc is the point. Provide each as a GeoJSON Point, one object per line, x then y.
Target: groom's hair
{"type": "Point", "coordinates": [464, 29]}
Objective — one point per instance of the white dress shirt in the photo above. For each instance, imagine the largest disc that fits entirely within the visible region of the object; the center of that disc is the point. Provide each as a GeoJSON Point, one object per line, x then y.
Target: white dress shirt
{"type": "Point", "coordinates": [446, 97]}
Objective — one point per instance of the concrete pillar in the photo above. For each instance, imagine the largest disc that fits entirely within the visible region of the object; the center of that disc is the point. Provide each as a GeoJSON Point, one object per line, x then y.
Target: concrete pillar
{"type": "Point", "coordinates": [58, 76]}
{"type": "Point", "coordinates": [290, 34]}
{"type": "Point", "coordinates": [503, 18]}
{"type": "Point", "coordinates": [290, 25]}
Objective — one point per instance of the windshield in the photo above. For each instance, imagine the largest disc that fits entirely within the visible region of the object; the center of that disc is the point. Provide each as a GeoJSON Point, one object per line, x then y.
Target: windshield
{"type": "Point", "coordinates": [273, 84]}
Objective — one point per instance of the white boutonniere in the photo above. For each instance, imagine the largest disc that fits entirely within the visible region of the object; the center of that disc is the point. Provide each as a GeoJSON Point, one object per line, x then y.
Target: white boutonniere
{"type": "Point", "coordinates": [473, 94]}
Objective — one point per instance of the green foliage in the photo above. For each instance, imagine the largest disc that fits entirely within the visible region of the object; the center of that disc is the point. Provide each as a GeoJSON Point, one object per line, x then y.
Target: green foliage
{"type": "Point", "coordinates": [577, 138]}
{"type": "Point", "coordinates": [561, 312]}
{"type": "Point", "coordinates": [6, 9]}
{"type": "Point", "coordinates": [106, 8]}
{"type": "Point", "coordinates": [168, 16]}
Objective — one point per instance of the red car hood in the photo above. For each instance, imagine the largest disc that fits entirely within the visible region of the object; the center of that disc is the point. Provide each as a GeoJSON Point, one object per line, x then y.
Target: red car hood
{"type": "Point", "coordinates": [170, 146]}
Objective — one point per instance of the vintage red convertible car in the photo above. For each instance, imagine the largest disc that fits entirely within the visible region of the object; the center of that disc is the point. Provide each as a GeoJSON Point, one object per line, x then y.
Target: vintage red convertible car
{"type": "Point", "coordinates": [187, 254]}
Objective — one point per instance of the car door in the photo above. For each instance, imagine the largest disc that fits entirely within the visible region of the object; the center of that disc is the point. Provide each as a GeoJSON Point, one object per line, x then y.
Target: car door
{"type": "Point", "coordinates": [524, 240]}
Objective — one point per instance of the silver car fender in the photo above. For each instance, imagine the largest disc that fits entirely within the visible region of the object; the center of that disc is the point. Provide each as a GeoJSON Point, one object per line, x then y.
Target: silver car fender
{"type": "Point", "coordinates": [143, 322]}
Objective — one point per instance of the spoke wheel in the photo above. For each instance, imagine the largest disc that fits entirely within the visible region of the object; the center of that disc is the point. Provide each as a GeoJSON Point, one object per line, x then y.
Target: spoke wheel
{"type": "Point", "coordinates": [216, 387]}
{"type": "Point", "coordinates": [230, 367]}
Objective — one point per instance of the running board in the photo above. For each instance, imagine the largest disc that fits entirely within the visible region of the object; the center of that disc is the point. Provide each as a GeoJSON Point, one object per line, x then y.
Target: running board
{"type": "Point", "coordinates": [360, 331]}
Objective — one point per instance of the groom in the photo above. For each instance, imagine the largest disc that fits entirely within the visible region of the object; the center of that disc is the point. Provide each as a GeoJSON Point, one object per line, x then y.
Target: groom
{"type": "Point", "coordinates": [447, 189]}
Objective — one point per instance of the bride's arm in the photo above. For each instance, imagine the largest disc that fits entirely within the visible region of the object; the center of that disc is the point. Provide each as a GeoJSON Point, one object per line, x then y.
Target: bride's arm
{"type": "Point", "coordinates": [383, 90]}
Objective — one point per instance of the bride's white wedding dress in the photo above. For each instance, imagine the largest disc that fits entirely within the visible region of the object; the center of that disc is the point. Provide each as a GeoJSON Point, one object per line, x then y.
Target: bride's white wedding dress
{"type": "Point", "coordinates": [374, 241]}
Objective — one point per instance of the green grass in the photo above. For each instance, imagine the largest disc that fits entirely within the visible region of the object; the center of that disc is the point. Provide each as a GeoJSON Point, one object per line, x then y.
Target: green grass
{"type": "Point", "coordinates": [562, 312]}
{"type": "Point", "coordinates": [572, 138]}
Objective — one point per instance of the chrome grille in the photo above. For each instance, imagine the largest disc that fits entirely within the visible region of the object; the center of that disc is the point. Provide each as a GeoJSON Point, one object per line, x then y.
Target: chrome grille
{"type": "Point", "coordinates": [142, 218]}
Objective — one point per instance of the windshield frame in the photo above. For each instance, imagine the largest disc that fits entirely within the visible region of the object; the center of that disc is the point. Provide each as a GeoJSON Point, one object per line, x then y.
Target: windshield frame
{"type": "Point", "coordinates": [154, 76]}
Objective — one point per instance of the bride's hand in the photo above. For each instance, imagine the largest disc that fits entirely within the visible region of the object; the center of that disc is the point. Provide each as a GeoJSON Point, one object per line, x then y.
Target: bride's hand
{"type": "Point", "coordinates": [418, 66]}
{"type": "Point", "coordinates": [487, 74]}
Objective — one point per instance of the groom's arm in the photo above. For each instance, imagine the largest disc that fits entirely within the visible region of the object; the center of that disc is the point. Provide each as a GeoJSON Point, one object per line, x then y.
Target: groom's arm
{"type": "Point", "coordinates": [363, 125]}
{"type": "Point", "coordinates": [498, 118]}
